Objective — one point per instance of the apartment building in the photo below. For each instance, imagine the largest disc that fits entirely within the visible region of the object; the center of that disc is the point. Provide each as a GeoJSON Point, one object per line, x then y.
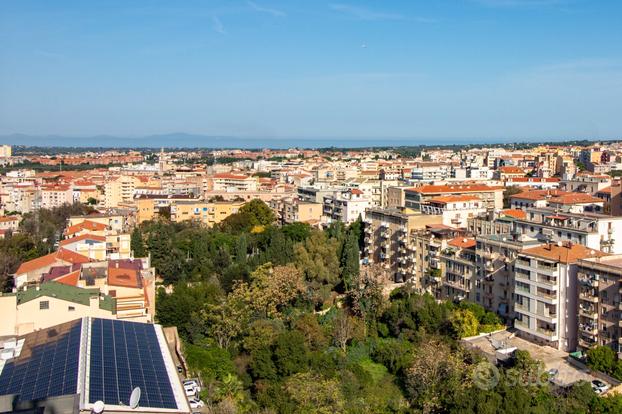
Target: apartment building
{"type": "Point", "coordinates": [459, 270]}
{"type": "Point", "coordinates": [9, 223]}
{"type": "Point", "coordinates": [345, 206]}
{"type": "Point", "coordinates": [600, 302]}
{"type": "Point", "coordinates": [234, 182]}
{"type": "Point", "coordinates": [293, 210]}
{"type": "Point", "coordinates": [455, 210]}
{"type": "Point", "coordinates": [490, 196]}
{"type": "Point", "coordinates": [148, 205]}
{"type": "Point", "coordinates": [389, 240]}
{"type": "Point", "coordinates": [56, 195]}
{"type": "Point", "coordinates": [314, 194]}
{"type": "Point", "coordinates": [594, 230]}
{"type": "Point", "coordinates": [207, 213]}
{"type": "Point", "coordinates": [546, 288]}
{"type": "Point", "coordinates": [585, 183]}
{"type": "Point", "coordinates": [428, 245]}
{"type": "Point", "coordinates": [120, 190]}
{"type": "Point", "coordinates": [493, 286]}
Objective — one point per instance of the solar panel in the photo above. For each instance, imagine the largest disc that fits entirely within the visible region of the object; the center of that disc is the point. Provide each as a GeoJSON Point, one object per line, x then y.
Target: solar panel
{"type": "Point", "coordinates": [125, 355]}
{"type": "Point", "coordinates": [47, 365]}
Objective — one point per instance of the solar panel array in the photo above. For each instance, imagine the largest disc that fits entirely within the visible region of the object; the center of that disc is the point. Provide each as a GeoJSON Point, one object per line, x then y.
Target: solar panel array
{"type": "Point", "coordinates": [125, 355]}
{"type": "Point", "coordinates": [47, 365]}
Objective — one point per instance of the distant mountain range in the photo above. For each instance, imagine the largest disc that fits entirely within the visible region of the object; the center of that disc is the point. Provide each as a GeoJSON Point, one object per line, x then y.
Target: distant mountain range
{"type": "Point", "coordinates": [183, 140]}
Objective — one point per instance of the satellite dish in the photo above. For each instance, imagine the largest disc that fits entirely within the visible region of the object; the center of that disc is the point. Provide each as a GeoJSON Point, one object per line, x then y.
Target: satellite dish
{"type": "Point", "coordinates": [98, 407]}
{"type": "Point", "coordinates": [135, 398]}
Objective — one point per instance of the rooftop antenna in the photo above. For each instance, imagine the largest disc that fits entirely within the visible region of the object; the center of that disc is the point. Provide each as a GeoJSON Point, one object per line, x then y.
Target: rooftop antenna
{"type": "Point", "coordinates": [135, 398]}
{"type": "Point", "coordinates": [98, 407]}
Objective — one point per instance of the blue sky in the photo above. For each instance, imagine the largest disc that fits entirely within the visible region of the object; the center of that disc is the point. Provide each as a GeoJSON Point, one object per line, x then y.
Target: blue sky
{"type": "Point", "coordinates": [513, 69]}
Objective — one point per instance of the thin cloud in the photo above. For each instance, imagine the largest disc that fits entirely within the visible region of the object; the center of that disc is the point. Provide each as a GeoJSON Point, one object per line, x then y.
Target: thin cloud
{"type": "Point", "coordinates": [363, 13]}
{"type": "Point", "coordinates": [217, 26]}
{"type": "Point", "coordinates": [261, 9]}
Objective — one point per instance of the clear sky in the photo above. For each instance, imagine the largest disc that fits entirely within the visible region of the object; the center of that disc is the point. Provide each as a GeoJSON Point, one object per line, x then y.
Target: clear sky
{"type": "Point", "coordinates": [311, 68]}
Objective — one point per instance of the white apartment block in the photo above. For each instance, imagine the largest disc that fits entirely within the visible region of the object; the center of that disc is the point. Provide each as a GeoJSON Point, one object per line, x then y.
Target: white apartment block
{"type": "Point", "coordinates": [345, 206]}
{"type": "Point", "coordinates": [545, 286]}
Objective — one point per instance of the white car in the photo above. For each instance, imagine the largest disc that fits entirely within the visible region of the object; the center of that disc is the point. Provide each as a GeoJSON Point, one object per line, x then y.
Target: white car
{"type": "Point", "coordinates": [190, 390]}
{"type": "Point", "coordinates": [195, 403]}
{"type": "Point", "coordinates": [192, 383]}
{"type": "Point", "coordinates": [599, 387]}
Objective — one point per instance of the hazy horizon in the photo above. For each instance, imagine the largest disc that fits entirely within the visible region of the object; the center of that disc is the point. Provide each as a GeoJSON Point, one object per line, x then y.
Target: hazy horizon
{"type": "Point", "coordinates": [521, 69]}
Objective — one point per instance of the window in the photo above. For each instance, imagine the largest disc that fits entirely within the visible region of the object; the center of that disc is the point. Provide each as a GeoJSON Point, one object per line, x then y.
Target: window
{"type": "Point", "coordinates": [71, 308]}
{"type": "Point", "coordinates": [44, 304]}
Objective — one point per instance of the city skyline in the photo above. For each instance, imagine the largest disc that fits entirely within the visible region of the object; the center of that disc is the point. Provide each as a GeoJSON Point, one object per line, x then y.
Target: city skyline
{"type": "Point", "coordinates": [494, 69]}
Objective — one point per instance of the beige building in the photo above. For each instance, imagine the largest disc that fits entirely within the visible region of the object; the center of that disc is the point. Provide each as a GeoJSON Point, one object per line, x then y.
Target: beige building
{"type": "Point", "coordinates": [120, 190]}
{"type": "Point", "coordinates": [51, 304]}
{"type": "Point", "coordinates": [491, 196]}
{"type": "Point", "coordinates": [292, 211]}
{"type": "Point", "coordinates": [389, 240]}
{"type": "Point", "coordinates": [204, 212]}
{"type": "Point", "coordinates": [600, 302]}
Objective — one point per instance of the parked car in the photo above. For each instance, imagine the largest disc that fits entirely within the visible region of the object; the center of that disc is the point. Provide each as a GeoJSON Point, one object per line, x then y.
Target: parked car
{"type": "Point", "coordinates": [193, 383]}
{"type": "Point", "coordinates": [195, 403]}
{"type": "Point", "coordinates": [190, 390]}
{"type": "Point", "coordinates": [599, 387]}
{"type": "Point", "coordinates": [552, 373]}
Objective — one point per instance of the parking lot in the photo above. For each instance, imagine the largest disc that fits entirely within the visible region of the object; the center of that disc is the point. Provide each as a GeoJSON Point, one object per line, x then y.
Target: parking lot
{"type": "Point", "coordinates": [552, 358]}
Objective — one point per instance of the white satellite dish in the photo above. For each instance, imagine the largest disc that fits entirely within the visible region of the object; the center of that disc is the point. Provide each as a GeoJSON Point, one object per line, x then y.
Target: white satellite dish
{"type": "Point", "coordinates": [98, 407]}
{"type": "Point", "coordinates": [135, 398]}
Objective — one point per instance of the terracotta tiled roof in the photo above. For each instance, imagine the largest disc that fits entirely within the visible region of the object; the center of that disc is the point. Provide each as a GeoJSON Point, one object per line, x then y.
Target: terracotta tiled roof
{"type": "Point", "coordinates": [566, 253]}
{"type": "Point", "coordinates": [124, 277]}
{"type": "Point", "coordinates": [538, 194]}
{"type": "Point", "coordinates": [519, 214]}
{"type": "Point", "coordinates": [69, 279]}
{"type": "Point", "coordinates": [453, 199]}
{"type": "Point", "coordinates": [85, 225]}
{"type": "Point", "coordinates": [83, 237]}
{"type": "Point", "coordinates": [575, 198]}
{"type": "Point", "coordinates": [464, 188]}
{"type": "Point", "coordinates": [231, 176]}
{"type": "Point", "coordinates": [6, 219]}
{"type": "Point", "coordinates": [62, 255]}
{"type": "Point", "coordinates": [462, 242]}
{"type": "Point", "coordinates": [511, 170]}
{"type": "Point", "coordinates": [38, 263]}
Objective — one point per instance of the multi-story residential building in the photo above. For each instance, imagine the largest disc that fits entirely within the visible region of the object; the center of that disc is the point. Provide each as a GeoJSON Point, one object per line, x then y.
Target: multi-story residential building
{"type": "Point", "coordinates": [600, 302]}
{"type": "Point", "coordinates": [459, 270]}
{"type": "Point", "coordinates": [389, 240]}
{"type": "Point", "coordinates": [120, 190]}
{"type": "Point", "coordinates": [455, 210]}
{"type": "Point", "coordinates": [427, 246]}
{"type": "Point", "coordinates": [396, 197]}
{"type": "Point", "coordinates": [314, 194]}
{"type": "Point", "coordinates": [432, 171]}
{"type": "Point", "coordinates": [9, 223]}
{"type": "Point", "coordinates": [207, 213]}
{"type": "Point", "coordinates": [148, 206]}
{"type": "Point", "coordinates": [546, 289]}
{"type": "Point", "coordinates": [234, 182]}
{"type": "Point", "coordinates": [56, 195]}
{"type": "Point", "coordinates": [345, 206]}
{"type": "Point", "coordinates": [491, 196]}
{"type": "Point", "coordinates": [594, 230]}
{"type": "Point", "coordinates": [494, 279]}
{"type": "Point", "coordinates": [533, 198]}
{"type": "Point", "coordinates": [585, 183]}
{"type": "Point", "coordinates": [293, 210]}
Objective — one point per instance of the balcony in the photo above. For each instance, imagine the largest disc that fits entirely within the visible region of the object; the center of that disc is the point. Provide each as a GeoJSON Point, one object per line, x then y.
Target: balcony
{"type": "Point", "coordinates": [521, 307]}
{"type": "Point", "coordinates": [589, 329]}
{"type": "Point", "coordinates": [547, 333]}
{"type": "Point", "coordinates": [523, 326]}
{"type": "Point", "coordinates": [588, 297]}
{"type": "Point", "coordinates": [588, 281]}
{"type": "Point", "coordinates": [588, 313]}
